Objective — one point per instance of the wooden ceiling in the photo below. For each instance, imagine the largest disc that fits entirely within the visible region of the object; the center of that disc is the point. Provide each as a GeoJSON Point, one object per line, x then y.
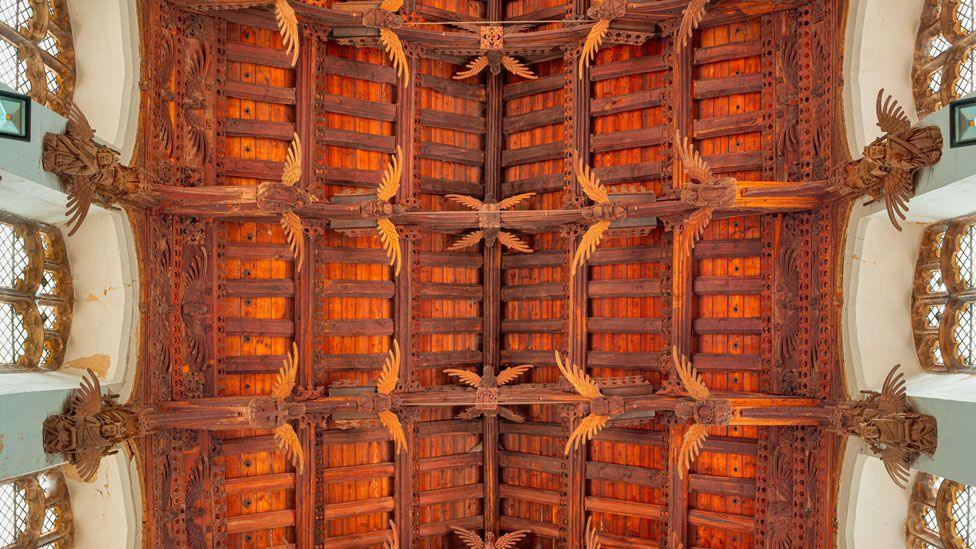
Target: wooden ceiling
{"type": "Point", "coordinates": [755, 306]}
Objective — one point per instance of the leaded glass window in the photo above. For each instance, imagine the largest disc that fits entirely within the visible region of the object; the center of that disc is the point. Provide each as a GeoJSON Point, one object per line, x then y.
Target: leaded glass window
{"type": "Point", "coordinates": [35, 511]}
{"type": "Point", "coordinates": [36, 51]}
{"type": "Point", "coordinates": [35, 295]}
{"type": "Point", "coordinates": [941, 514]}
{"type": "Point", "coordinates": [945, 54]}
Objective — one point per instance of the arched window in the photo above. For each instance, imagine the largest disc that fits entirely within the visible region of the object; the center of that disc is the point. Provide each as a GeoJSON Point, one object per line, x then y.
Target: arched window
{"type": "Point", "coordinates": [35, 295]}
{"type": "Point", "coordinates": [36, 52]}
{"type": "Point", "coordinates": [35, 512]}
{"type": "Point", "coordinates": [944, 310]}
{"type": "Point", "coordinates": [941, 514]}
{"type": "Point", "coordinates": [945, 57]}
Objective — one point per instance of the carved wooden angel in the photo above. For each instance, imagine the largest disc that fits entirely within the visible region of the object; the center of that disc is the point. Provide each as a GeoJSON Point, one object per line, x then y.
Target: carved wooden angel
{"type": "Point", "coordinates": [490, 223]}
{"type": "Point", "coordinates": [891, 426]}
{"type": "Point", "coordinates": [487, 385]}
{"type": "Point", "coordinates": [90, 427]}
{"type": "Point", "coordinates": [491, 56]}
{"type": "Point", "coordinates": [473, 541]}
{"type": "Point", "coordinates": [88, 171]}
{"type": "Point", "coordinates": [887, 170]}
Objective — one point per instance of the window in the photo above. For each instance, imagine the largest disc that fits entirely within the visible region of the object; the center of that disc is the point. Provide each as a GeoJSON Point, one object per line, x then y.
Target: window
{"type": "Point", "coordinates": [35, 296]}
{"type": "Point", "coordinates": [36, 51]}
{"type": "Point", "coordinates": [945, 54]}
{"type": "Point", "coordinates": [941, 514]}
{"type": "Point", "coordinates": [35, 512]}
{"type": "Point", "coordinates": [944, 310]}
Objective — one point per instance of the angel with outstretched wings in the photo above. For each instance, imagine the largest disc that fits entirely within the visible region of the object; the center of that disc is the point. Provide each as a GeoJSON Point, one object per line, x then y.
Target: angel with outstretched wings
{"type": "Point", "coordinates": [597, 192]}
{"type": "Point", "coordinates": [473, 541]}
{"type": "Point", "coordinates": [489, 233]}
{"type": "Point", "coordinates": [586, 387]}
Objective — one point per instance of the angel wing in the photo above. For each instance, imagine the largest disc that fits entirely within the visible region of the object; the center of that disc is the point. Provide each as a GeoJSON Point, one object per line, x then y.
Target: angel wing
{"type": "Point", "coordinates": [288, 27]}
{"type": "Point", "coordinates": [87, 462]}
{"type": "Point", "coordinates": [513, 242]}
{"type": "Point", "coordinates": [464, 200]}
{"type": "Point", "coordinates": [590, 183]}
{"type": "Point", "coordinates": [466, 377]}
{"type": "Point", "coordinates": [474, 67]}
{"type": "Point", "coordinates": [899, 188]}
{"type": "Point", "coordinates": [394, 48]}
{"type": "Point", "coordinates": [891, 117]}
{"type": "Point", "coordinates": [692, 229]}
{"type": "Point", "coordinates": [78, 126]}
{"type": "Point", "coordinates": [509, 375]}
{"type": "Point", "coordinates": [472, 540]}
{"type": "Point", "coordinates": [284, 381]}
{"type": "Point", "coordinates": [583, 383]}
{"type": "Point", "coordinates": [287, 441]}
{"type": "Point", "coordinates": [591, 239]}
{"type": "Point", "coordinates": [510, 415]}
{"type": "Point", "coordinates": [392, 424]}
{"type": "Point", "coordinates": [391, 242]}
{"type": "Point", "coordinates": [392, 537]}
{"type": "Point", "coordinates": [87, 400]}
{"type": "Point", "coordinates": [692, 161]}
{"type": "Point", "coordinates": [391, 177]}
{"type": "Point", "coordinates": [592, 535]}
{"type": "Point", "coordinates": [391, 6]}
{"type": "Point", "coordinates": [293, 162]}
{"type": "Point", "coordinates": [691, 446]}
{"type": "Point", "coordinates": [898, 463]}
{"type": "Point", "coordinates": [81, 192]}
{"type": "Point", "coordinates": [390, 375]}
{"type": "Point", "coordinates": [587, 429]}
{"type": "Point", "coordinates": [517, 68]}
{"type": "Point", "coordinates": [690, 377]}
{"type": "Point", "coordinates": [509, 540]}
{"type": "Point", "coordinates": [514, 200]}
{"type": "Point", "coordinates": [294, 233]}
{"type": "Point", "coordinates": [592, 44]}
{"type": "Point", "coordinates": [893, 396]}
{"type": "Point", "coordinates": [467, 240]}
{"type": "Point", "coordinates": [690, 19]}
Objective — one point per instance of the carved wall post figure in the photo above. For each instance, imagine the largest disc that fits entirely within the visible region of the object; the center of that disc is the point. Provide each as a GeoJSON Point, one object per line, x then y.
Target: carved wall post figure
{"type": "Point", "coordinates": [88, 171]}
{"type": "Point", "coordinates": [891, 426]}
{"type": "Point", "coordinates": [887, 170]}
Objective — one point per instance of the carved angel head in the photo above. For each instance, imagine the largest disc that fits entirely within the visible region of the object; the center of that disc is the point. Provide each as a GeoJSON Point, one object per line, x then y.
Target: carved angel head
{"type": "Point", "coordinates": [718, 194]}
{"type": "Point", "coordinates": [712, 411]}
{"type": "Point", "coordinates": [277, 198]}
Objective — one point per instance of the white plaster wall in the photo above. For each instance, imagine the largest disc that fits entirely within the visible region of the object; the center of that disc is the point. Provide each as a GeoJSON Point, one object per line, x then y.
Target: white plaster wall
{"type": "Point", "coordinates": [106, 39]}
{"type": "Point", "coordinates": [871, 509]}
{"type": "Point", "coordinates": [879, 50]}
{"type": "Point", "coordinates": [106, 511]}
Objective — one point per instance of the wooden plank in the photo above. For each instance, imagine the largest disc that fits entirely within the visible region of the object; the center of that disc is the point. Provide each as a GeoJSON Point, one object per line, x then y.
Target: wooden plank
{"type": "Point", "coordinates": [252, 287]}
{"type": "Point", "coordinates": [381, 74]}
{"type": "Point", "coordinates": [728, 52]}
{"type": "Point", "coordinates": [260, 521]}
{"type": "Point", "coordinates": [380, 289]}
{"type": "Point", "coordinates": [727, 363]}
{"type": "Point", "coordinates": [613, 325]}
{"type": "Point", "coordinates": [266, 170]}
{"type": "Point", "coordinates": [613, 472]}
{"type": "Point", "coordinates": [711, 88]}
{"type": "Point", "coordinates": [615, 104]}
{"type": "Point", "coordinates": [534, 119]}
{"type": "Point", "coordinates": [721, 521]}
{"type": "Point", "coordinates": [531, 326]}
{"type": "Point", "coordinates": [355, 140]}
{"type": "Point", "coordinates": [625, 508]}
{"type": "Point", "coordinates": [357, 472]}
{"type": "Point", "coordinates": [627, 139]}
{"type": "Point", "coordinates": [539, 184]}
{"type": "Point", "coordinates": [453, 121]}
{"type": "Point", "coordinates": [532, 428]}
{"type": "Point", "coordinates": [358, 327]}
{"type": "Point", "coordinates": [630, 67]}
{"type": "Point", "coordinates": [368, 179]}
{"type": "Point", "coordinates": [534, 153]}
{"type": "Point", "coordinates": [640, 437]}
{"type": "Point", "coordinates": [443, 528]}
{"type": "Point", "coordinates": [253, 364]}
{"type": "Point", "coordinates": [448, 358]}
{"type": "Point", "coordinates": [551, 290]}
{"type": "Point", "coordinates": [452, 461]}
{"type": "Point", "coordinates": [543, 529]}
{"type": "Point", "coordinates": [371, 361]}
{"type": "Point", "coordinates": [448, 325]}
{"type": "Point", "coordinates": [257, 55]}
{"type": "Point", "coordinates": [452, 494]}
{"type": "Point", "coordinates": [533, 87]}
{"type": "Point", "coordinates": [450, 153]}
{"type": "Point", "coordinates": [630, 361]}
{"type": "Point", "coordinates": [735, 162]}
{"type": "Point", "coordinates": [531, 495]}
{"type": "Point", "coordinates": [359, 507]}
{"type": "Point", "coordinates": [430, 290]}
{"type": "Point", "coordinates": [634, 254]}
{"type": "Point", "coordinates": [280, 481]}
{"type": "Point", "coordinates": [450, 259]}
{"type": "Point", "coordinates": [535, 260]}
{"type": "Point", "coordinates": [442, 186]}
{"type": "Point", "coordinates": [629, 173]}
{"type": "Point", "coordinates": [712, 285]}
{"type": "Point", "coordinates": [532, 462]}
{"type": "Point", "coordinates": [248, 445]}
{"type": "Point", "coordinates": [453, 88]}
{"type": "Point", "coordinates": [708, 249]}
{"type": "Point", "coordinates": [721, 126]}
{"type": "Point", "coordinates": [246, 250]}
{"type": "Point", "coordinates": [265, 327]}
{"type": "Point", "coordinates": [260, 92]}
{"type": "Point", "coordinates": [353, 436]}
{"type": "Point", "coordinates": [537, 358]}
{"type": "Point", "coordinates": [341, 104]}
{"type": "Point", "coordinates": [730, 486]}
{"type": "Point", "coordinates": [630, 287]}
{"type": "Point", "coordinates": [448, 427]}
{"type": "Point", "coordinates": [728, 326]}
{"type": "Point", "coordinates": [368, 256]}
{"type": "Point", "coordinates": [245, 127]}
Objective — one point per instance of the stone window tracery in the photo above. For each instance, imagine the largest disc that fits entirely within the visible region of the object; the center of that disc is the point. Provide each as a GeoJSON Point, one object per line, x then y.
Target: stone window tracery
{"type": "Point", "coordinates": [944, 309]}
{"type": "Point", "coordinates": [945, 54]}
{"type": "Point", "coordinates": [35, 295]}
{"type": "Point", "coordinates": [35, 512]}
{"type": "Point", "coordinates": [941, 514]}
{"type": "Point", "coordinates": [37, 52]}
